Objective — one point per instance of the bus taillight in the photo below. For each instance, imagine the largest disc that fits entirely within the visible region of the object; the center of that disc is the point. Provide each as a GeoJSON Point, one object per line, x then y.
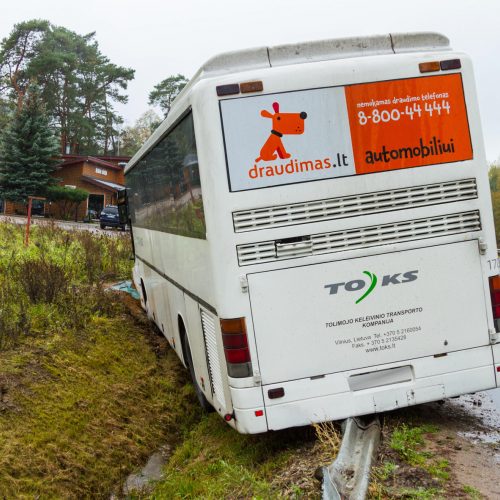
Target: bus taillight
{"type": "Point", "coordinates": [495, 300]}
{"type": "Point", "coordinates": [234, 340]}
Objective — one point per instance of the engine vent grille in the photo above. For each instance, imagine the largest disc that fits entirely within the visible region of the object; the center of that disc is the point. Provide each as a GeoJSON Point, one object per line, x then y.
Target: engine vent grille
{"type": "Point", "coordinates": [214, 369]}
{"type": "Point", "coordinates": [349, 206]}
{"type": "Point", "coordinates": [351, 239]}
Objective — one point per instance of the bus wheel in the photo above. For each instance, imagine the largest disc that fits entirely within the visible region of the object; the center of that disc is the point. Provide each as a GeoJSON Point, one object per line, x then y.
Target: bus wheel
{"type": "Point", "coordinates": [206, 406]}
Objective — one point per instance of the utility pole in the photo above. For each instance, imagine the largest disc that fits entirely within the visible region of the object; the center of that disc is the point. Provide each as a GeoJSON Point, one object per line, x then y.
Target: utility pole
{"type": "Point", "coordinates": [28, 222]}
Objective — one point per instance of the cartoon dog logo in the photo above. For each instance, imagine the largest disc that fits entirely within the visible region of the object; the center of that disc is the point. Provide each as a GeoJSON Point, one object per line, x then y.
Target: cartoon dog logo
{"type": "Point", "coordinates": [283, 124]}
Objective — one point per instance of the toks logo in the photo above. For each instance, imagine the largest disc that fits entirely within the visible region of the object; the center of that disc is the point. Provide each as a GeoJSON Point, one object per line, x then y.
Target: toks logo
{"type": "Point", "coordinates": [283, 124]}
{"type": "Point", "coordinates": [360, 284]}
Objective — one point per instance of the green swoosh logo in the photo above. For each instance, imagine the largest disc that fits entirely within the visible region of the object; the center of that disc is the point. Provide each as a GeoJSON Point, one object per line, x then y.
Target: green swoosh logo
{"type": "Point", "coordinates": [373, 278]}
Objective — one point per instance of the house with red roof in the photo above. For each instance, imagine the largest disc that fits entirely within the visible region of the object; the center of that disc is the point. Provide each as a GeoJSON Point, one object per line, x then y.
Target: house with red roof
{"type": "Point", "coordinates": [101, 176]}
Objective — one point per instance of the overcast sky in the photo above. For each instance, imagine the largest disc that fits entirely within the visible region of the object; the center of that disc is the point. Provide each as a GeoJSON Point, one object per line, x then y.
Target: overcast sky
{"type": "Point", "coordinates": [160, 38]}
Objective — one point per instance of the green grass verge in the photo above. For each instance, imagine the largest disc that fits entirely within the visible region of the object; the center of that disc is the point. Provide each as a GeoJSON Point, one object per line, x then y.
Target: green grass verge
{"type": "Point", "coordinates": [83, 398]}
{"type": "Point", "coordinates": [215, 462]}
{"type": "Point", "coordinates": [85, 409]}
{"type": "Point", "coordinates": [408, 441]}
{"type": "Point", "coordinates": [420, 493]}
{"type": "Point", "coordinates": [409, 470]}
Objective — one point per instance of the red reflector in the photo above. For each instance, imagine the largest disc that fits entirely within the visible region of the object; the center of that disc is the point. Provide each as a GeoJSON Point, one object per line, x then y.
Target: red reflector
{"type": "Point", "coordinates": [259, 413]}
{"type": "Point", "coordinates": [237, 355]}
{"type": "Point", "coordinates": [451, 64]}
{"type": "Point", "coordinates": [251, 87]}
{"type": "Point", "coordinates": [231, 340]}
{"type": "Point", "coordinates": [429, 66]}
{"type": "Point", "coordinates": [495, 297]}
{"type": "Point", "coordinates": [234, 340]}
{"type": "Point", "coordinates": [230, 89]}
{"type": "Point", "coordinates": [498, 369]}
{"type": "Point", "coordinates": [228, 417]}
{"type": "Point", "coordinates": [276, 393]}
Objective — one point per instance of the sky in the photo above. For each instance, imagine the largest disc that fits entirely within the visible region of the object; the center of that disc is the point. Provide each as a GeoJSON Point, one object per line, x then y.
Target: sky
{"type": "Point", "coordinates": [161, 38]}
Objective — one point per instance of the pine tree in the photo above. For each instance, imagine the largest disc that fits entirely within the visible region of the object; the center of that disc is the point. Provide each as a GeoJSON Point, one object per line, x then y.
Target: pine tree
{"type": "Point", "coordinates": [27, 152]}
{"type": "Point", "coordinates": [166, 91]}
{"type": "Point", "coordinates": [78, 84]}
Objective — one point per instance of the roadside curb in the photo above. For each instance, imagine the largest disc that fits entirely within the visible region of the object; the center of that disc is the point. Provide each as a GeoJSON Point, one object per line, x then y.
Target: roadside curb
{"type": "Point", "coordinates": [349, 475]}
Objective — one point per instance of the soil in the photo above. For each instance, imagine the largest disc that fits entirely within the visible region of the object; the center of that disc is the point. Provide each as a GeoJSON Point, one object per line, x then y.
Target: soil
{"type": "Point", "coordinates": [474, 465]}
{"type": "Point", "coordinates": [468, 437]}
{"type": "Point", "coordinates": [470, 440]}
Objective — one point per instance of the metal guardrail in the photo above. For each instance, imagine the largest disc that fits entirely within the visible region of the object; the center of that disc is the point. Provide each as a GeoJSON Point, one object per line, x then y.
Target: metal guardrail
{"type": "Point", "coordinates": [348, 476]}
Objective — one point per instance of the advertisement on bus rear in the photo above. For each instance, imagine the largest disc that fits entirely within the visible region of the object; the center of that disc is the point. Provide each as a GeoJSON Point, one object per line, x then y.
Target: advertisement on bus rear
{"type": "Point", "coordinates": [318, 134]}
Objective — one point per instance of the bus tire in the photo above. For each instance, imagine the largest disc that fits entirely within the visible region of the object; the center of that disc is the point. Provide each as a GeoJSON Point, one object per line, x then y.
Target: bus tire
{"type": "Point", "coordinates": [202, 400]}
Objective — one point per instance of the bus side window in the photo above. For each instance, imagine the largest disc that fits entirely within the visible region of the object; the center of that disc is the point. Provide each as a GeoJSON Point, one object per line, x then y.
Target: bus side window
{"type": "Point", "coordinates": [165, 189]}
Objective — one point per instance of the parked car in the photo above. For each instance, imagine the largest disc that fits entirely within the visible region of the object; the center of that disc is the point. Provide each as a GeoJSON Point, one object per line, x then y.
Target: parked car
{"type": "Point", "coordinates": [110, 218]}
{"type": "Point", "coordinates": [37, 207]}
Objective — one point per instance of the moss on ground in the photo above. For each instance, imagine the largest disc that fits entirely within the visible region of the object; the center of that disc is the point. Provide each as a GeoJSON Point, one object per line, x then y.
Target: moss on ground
{"type": "Point", "coordinates": [86, 408]}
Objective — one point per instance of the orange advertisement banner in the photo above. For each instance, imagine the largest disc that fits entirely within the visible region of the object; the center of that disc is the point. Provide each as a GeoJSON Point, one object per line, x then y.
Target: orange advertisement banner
{"type": "Point", "coordinates": [408, 123]}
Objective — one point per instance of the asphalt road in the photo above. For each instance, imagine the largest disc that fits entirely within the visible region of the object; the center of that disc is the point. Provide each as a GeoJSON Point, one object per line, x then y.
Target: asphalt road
{"type": "Point", "coordinates": [68, 225]}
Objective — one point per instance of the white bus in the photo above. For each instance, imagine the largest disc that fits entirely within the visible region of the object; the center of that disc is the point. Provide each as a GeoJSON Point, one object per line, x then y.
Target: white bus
{"type": "Point", "coordinates": [313, 231]}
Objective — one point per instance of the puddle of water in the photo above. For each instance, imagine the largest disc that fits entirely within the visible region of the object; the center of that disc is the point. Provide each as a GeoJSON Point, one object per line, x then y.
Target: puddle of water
{"type": "Point", "coordinates": [483, 437]}
{"type": "Point", "coordinates": [494, 394]}
{"type": "Point", "coordinates": [486, 407]}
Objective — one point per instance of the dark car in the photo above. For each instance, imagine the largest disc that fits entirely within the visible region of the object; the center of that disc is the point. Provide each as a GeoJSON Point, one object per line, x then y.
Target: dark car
{"type": "Point", "coordinates": [110, 218]}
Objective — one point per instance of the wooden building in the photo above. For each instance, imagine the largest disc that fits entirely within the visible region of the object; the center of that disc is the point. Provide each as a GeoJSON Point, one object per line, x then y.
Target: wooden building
{"type": "Point", "coordinates": [101, 176]}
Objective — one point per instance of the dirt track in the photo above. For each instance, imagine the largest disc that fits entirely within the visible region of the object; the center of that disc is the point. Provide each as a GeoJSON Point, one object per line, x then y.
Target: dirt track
{"type": "Point", "coordinates": [468, 438]}
{"type": "Point", "coordinates": [475, 458]}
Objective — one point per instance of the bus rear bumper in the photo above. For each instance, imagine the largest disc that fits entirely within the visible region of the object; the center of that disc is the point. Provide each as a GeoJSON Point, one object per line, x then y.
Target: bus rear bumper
{"type": "Point", "coordinates": [332, 397]}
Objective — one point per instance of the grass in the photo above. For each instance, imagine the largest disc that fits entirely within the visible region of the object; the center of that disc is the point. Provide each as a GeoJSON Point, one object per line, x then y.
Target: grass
{"type": "Point", "coordinates": [420, 493]}
{"type": "Point", "coordinates": [407, 469]}
{"type": "Point", "coordinates": [472, 492]}
{"type": "Point", "coordinates": [386, 470]}
{"type": "Point", "coordinates": [85, 409]}
{"type": "Point", "coordinates": [329, 437]}
{"type": "Point", "coordinates": [408, 441]}
{"type": "Point", "coordinates": [60, 272]}
{"type": "Point", "coordinates": [84, 399]}
{"type": "Point", "coordinates": [215, 462]}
